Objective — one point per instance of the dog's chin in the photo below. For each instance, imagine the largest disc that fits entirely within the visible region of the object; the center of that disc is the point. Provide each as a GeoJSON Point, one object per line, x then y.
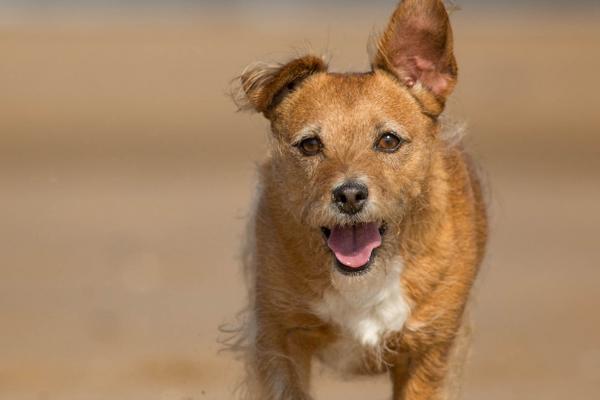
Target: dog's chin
{"type": "Point", "coordinates": [353, 271]}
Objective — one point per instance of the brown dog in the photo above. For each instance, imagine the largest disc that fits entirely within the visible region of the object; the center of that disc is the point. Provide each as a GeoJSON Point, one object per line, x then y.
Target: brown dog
{"type": "Point", "coordinates": [370, 225]}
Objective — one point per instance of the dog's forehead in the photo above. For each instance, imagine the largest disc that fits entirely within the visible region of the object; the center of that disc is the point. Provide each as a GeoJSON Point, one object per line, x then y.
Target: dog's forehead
{"type": "Point", "coordinates": [352, 98]}
{"type": "Point", "coordinates": [348, 89]}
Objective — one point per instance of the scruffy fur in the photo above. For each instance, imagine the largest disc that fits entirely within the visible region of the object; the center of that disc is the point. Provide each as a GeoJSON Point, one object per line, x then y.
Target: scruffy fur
{"type": "Point", "coordinates": [406, 315]}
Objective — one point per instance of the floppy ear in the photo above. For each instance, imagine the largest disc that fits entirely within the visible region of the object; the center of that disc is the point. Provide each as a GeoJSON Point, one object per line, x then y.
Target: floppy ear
{"type": "Point", "coordinates": [265, 86]}
{"type": "Point", "coordinates": [417, 48]}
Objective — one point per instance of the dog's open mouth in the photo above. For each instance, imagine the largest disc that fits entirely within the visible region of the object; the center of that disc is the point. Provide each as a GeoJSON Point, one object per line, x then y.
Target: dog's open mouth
{"type": "Point", "coordinates": [354, 245]}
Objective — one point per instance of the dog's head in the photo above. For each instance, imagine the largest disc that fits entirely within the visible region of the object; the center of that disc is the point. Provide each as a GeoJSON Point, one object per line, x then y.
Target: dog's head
{"type": "Point", "coordinates": [353, 151]}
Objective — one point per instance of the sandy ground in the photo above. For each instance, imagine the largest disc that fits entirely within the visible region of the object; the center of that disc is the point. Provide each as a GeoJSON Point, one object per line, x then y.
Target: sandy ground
{"type": "Point", "coordinates": [126, 175]}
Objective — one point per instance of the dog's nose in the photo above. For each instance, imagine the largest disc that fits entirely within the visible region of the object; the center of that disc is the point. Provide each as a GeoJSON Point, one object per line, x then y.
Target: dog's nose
{"type": "Point", "coordinates": [350, 197]}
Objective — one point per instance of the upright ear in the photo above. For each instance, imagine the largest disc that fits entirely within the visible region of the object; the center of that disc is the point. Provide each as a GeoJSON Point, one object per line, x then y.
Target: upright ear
{"type": "Point", "coordinates": [265, 86]}
{"type": "Point", "coordinates": [417, 48]}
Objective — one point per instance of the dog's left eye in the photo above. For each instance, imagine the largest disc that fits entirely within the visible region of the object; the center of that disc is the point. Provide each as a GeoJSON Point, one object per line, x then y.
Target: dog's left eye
{"type": "Point", "coordinates": [311, 146]}
{"type": "Point", "coordinates": [388, 143]}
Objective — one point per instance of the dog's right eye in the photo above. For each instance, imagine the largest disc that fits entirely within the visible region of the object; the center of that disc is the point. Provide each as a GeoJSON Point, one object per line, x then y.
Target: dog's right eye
{"type": "Point", "coordinates": [389, 143]}
{"type": "Point", "coordinates": [311, 146]}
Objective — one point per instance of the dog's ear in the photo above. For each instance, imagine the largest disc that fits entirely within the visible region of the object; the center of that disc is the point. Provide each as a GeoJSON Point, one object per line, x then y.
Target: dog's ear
{"type": "Point", "coordinates": [264, 86]}
{"type": "Point", "coordinates": [417, 48]}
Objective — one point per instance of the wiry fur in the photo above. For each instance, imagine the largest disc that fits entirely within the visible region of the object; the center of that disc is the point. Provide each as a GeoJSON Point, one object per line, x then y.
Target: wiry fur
{"type": "Point", "coordinates": [406, 314]}
{"type": "Point", "coordinates": [255, 75]}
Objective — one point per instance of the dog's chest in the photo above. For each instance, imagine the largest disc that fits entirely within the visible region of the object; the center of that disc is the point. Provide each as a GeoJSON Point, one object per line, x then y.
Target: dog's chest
{"type": "Point", "coordinates": [364, 316]}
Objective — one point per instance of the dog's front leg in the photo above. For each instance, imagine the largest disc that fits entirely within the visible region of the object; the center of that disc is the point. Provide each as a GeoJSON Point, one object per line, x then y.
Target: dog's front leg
{"type": "Point", "coordinates": [422, 376]}
{"type": "Point", "coordinates": [282, 365]}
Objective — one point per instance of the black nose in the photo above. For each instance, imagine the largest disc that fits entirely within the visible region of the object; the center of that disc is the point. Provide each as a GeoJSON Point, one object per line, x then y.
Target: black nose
{"type": "Point", "coordinates": [351, 197]}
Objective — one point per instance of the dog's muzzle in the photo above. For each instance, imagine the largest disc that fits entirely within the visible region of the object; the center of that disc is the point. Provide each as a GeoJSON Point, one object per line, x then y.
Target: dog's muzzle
{"type": "Point", "coordinates": [351, 197]}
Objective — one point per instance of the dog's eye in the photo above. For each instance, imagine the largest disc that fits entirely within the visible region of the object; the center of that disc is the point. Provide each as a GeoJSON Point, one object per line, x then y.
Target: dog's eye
{"type": "Point", "coordinates": [311, 146]}
{"type": "Point", "coordinates": [389, 143]}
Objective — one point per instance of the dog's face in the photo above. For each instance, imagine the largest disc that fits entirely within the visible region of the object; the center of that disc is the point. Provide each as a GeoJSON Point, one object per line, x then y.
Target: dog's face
{"type": "Point", "coordinates": [352, 151]}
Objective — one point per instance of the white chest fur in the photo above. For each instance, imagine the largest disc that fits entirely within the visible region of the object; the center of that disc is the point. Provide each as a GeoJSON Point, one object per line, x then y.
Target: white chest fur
{"type": "Point", "coordinates": [366, 312]}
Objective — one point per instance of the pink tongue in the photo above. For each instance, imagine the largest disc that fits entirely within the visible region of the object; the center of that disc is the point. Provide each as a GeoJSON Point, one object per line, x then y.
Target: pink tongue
{"type": "Point", "coordinates": [353, 245]}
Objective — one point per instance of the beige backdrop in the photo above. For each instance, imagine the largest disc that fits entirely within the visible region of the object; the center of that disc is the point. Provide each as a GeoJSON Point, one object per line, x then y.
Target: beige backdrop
{"type": "Point", "coordinates": [126, 174]}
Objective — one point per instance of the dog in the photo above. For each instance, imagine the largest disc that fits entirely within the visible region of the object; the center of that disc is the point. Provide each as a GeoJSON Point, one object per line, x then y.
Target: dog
{"type": "Point", "coordinates": [370, 225]}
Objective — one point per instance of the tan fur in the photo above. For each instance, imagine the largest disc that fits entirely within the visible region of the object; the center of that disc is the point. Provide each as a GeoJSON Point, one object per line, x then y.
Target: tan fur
{"type": "Point", "coordinates": [427, 193]}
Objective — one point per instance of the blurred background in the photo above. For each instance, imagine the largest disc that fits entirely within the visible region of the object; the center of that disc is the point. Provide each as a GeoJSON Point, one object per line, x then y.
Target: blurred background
{"type": "Point", "coordinates": [126, 175]}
